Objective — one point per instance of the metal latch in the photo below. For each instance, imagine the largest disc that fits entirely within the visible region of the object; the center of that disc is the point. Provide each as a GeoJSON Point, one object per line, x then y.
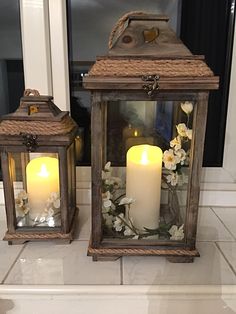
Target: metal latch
{"type": "Point", "coordinates": [152, 85]}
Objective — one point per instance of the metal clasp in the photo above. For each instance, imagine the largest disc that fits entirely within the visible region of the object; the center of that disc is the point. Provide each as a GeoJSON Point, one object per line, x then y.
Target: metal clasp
{"type": "Point", "coordinates": [30, 141]}
{"type": "Point", "coordinates": [152, 85]}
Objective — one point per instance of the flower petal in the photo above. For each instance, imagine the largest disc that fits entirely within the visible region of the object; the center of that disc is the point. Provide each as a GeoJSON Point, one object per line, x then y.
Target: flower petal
{"type": "Point", "coordinates": [126, 201]}
{"type": "Point", "coordinates": [187, 107]}
{"type": "Point", "coordinates": [107, 166]}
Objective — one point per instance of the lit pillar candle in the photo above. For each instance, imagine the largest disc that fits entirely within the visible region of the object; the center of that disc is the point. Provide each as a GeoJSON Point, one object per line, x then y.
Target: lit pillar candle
{"type": "Point", "coordinates": [42, 177]}
{"type": "Point", "coordinates": [143, 183]}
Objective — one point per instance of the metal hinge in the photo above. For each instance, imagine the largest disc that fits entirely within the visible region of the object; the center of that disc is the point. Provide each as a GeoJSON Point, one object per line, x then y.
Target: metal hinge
{"type": "Point", "coordinates": [30, 141]}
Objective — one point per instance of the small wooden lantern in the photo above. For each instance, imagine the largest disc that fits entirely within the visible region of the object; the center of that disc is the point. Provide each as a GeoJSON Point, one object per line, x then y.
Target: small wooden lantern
{"type": "Point", "coordinates": [38, 168]}
{"type": "Point", "coordinates": [149, 109]}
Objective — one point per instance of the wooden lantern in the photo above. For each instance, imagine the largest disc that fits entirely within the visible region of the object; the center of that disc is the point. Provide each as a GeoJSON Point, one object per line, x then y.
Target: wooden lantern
{"type": "Point", "coordinates": [149, 109]}
{"type": "Point", "coordinates": [38, 169]}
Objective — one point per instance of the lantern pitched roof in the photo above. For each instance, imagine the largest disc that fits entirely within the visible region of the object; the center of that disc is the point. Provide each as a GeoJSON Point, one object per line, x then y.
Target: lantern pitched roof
{"type": "Point", "coordinates": [143, 45]}
{"type": "Point", "coordinates": [37, 115]}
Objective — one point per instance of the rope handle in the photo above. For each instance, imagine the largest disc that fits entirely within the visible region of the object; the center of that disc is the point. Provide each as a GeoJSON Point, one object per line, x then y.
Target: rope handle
{"type": "Point", "coordinates": [118, 27]}
{"type": "Point", "coordinates": [31, 92]}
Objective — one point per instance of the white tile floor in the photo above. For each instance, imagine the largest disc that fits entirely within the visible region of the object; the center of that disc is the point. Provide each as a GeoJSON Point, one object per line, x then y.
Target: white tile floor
{"type": "Point", "coordinates": [54, 264]}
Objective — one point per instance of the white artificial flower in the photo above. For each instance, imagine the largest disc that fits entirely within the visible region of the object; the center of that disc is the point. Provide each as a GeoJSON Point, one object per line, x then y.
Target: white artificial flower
{"type": "Point", "coordinates": [54, 196]}
{"type": "Point", "coordinates": [57, 203]}
{"type": "Point", "coordinates": [108, 220]}
{"type": "Point", "coordinates": [117, 182]}
{"type": "Point", "coordinates": [182, 129]}
{"type": "Point", "coordinates": [22, 195]}
{"type": "Point", "coordinates": [126, 201]}
{"type": "Point", "coordinates": [20, 211]}
{"type": "Point", "coordinates": [187, 107]}
{"type": "Point", "coordinates": [113, 181]}
{"type": "Point", "coordinates": [176, 143]}
{"type": "Point", "coordinates": [135, 237]}
{"type": "Point", "coordinates": [19, 202]}
{"type": "Point", "coordinates": [53, 200]}
{"type": "Point", "coordinates": [118, 223]}
{"type": "Point", "coordinates": [106, 195]}
{"type": "Point", "coordinates": [107, 203]}
{"type": "Point", "coordinates": [189, 134]}
{"type": "Point", "coordinates": [107, 166]}
{"type": "Point", "coordinates": [181, 155]}
{"type": "Point", "coordinates": [51, 222]}
{"type": "Point", "coordinates": [173, 178]}
{"type": "Point", "coordinates": [176, 233]}
{"type": "Point", "coordinates": [105, 175]}
{"type": "Point", "coordinates": [170, 159]}
{"type": "Point", "coordinates": [128, 231]}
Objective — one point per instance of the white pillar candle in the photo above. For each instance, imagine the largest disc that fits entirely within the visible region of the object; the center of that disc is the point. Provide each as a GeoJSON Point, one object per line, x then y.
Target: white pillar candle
{"type": "Point", "coordinates": [143, 183]}
{"type": "Point", "coordinates": [42, 177]}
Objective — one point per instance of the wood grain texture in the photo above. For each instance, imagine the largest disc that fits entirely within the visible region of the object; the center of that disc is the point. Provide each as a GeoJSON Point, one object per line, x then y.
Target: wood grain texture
{"type": "Point", "coordinates": [131, 83]}
{"type": "Point", "coordinates": [97, 134]}
{"type": "Point", "coordinates": [199, 127]}
{"type": "Point", "coordinates": [8, 193]}
{"type": "Point", "coordinates": [134, 26]}
{"type": "Point", "coordinates": [63, 175]}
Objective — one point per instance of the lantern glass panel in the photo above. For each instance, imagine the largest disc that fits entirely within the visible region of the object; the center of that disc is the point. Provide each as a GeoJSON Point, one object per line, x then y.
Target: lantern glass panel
{"type": "Point", "coordinates": [146, 170]}
{"type": "Point", "coordinates": [36, 186]}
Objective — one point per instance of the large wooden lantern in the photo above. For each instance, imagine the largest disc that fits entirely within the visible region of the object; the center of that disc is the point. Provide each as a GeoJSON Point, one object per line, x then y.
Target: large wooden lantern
{"type": "Point", "coordinates": [149, 109]}
{"type": "Point", "coordinates": [38, 169]}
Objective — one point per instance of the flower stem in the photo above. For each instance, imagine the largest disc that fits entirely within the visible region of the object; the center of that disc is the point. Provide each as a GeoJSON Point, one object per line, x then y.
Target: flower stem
{"type": "Point", "coordinates": [130, 221]}
{"type": "Point", "coordinates": [126, 224]}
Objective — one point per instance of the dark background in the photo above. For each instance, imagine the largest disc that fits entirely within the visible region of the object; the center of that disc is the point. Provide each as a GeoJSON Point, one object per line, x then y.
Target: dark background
{"type": "Point", "coordinates": [207, 28]}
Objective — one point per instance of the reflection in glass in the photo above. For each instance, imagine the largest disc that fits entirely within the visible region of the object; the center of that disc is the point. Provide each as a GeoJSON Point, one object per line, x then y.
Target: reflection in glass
{"type": "Point", "coordinates": [145, 178]}
{"type": "Point", "coordinates": [36, 186]}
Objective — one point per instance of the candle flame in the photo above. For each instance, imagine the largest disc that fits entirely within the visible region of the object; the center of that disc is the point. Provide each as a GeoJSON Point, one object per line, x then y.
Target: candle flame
{"type": "Point", "coordinates": [144, 158]}
{"type": "Point", "coordinates": [43, 172]}
{"type": "Point", "coordinates": [135, 133]}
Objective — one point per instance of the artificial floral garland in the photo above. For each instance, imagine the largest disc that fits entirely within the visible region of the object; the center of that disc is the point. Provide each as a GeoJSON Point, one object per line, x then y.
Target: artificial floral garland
{"type": "Point", "coordinates": [46, 217]}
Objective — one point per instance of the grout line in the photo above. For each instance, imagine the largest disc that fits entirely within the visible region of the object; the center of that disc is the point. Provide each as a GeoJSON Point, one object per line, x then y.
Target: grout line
{"type": "Point", "coordinates": [13, 264]}
{"type": "Point", "coordinates": [223, 223]}
{"type": "Point", "coordinates": [226, 259]}
{"type": "Point", "coordinates": [121, 271]}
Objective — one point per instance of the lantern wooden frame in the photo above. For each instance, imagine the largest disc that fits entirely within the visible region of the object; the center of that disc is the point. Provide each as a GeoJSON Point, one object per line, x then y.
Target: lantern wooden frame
{"type": "Point", "coordinates": [161, 72]}
{"type": "Point", "coordinates": [48, 130]}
